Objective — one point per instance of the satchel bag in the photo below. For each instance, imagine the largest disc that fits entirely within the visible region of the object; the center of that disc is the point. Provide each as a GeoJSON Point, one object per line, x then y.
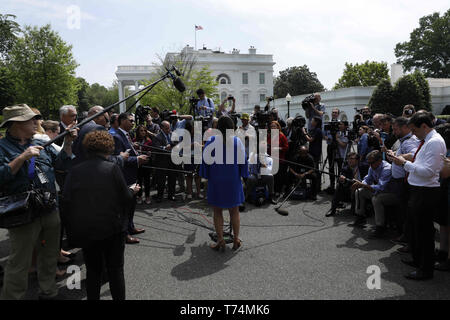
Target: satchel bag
{"type": "Point", "coordinates": [20, 209]}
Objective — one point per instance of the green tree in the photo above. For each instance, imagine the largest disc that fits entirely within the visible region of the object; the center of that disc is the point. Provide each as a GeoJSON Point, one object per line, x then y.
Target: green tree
{"type": "Point", "coordinates": [369, 73]}
{"type": "Point", "coordinates": [102, 96]}
{"type": "Point", "coordinates": [9, 30]}
{"type": "Point", "coordinates": [383, 99]}
{"type": "Point", "coordinates": [83, 100]}
{"type": "Point", "coordinates": [428, 48]}
{"type": "Point", "coordinates": [166, 96]}
{"type": "Point", "coordinates": [44, 70]}
{"type": "Point", "coordinates": [424, 88]}
{"type": "Point", "coordinates": [296, 81]}
{"type": "Point", "coordinates": [7, 90]}
{"type": "Point", "coordinates": [408, 91]}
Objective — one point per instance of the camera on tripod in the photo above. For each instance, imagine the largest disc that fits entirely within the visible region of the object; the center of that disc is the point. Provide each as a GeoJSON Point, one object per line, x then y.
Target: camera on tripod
{"type": "Point", "coordinates": [269, 99]}
{"type": "Point", "coordinates": [141, 113]}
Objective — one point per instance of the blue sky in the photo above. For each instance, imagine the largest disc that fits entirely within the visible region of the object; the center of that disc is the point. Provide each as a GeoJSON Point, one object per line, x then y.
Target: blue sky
{"type": "Point", "coordinates": [322, 34]}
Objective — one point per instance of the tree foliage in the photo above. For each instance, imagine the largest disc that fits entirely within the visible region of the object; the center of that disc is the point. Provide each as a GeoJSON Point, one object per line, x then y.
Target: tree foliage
{"type": "Point", "coordinates": [369, 73]}
{"type": "Point", "coordinates": [166, 96]}
{"type": "Point", "coordinates": [382, 99]}
{"type": "Point", "coordinates": [296, 81]}
{"type": "Point", "coordinates": [409, 89]}
{"type": "Point", "coordinates": [44, 70]}
{"type": "Point", "coordinates": [9, 30]}
{"type": "Point", "coordinates": [428, 48]}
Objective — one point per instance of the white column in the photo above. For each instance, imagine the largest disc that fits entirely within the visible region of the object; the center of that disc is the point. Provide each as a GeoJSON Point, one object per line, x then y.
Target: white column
{"type": "Point", "coordinates": [136, 86]}
{"type": "Point", "coordinates": [122, 106]}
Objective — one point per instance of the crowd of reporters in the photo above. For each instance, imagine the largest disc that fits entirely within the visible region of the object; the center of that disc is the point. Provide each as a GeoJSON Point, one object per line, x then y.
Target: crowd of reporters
{"type": "Point", "coordinates": [129, 156]}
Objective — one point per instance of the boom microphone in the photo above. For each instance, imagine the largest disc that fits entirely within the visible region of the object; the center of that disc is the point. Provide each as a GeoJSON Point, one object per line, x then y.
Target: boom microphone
{"type": "Point", "coordinates": [179, 84]}
{"type": "Point", "coordinates": [176, 71]}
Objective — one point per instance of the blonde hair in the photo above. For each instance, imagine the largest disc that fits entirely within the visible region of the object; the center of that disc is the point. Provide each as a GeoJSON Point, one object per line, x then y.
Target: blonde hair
{"type": "Point", "coordinates": [39, 130]}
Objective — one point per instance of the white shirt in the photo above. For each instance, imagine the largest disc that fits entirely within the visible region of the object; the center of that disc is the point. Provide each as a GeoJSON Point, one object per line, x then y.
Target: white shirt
{"type": "Point", "coordinates": [424, 171]}
{"type": "Point", "coordinates": [264, 159]}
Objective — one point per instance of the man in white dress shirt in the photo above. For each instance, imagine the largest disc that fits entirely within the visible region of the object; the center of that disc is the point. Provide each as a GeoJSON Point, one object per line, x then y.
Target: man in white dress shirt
{"type": "Point", "coordinates": [423, 179]}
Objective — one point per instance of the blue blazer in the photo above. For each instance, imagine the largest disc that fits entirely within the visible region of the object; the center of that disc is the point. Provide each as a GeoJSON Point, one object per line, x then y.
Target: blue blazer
{"type": "Point", "coordinates": [121, 144]}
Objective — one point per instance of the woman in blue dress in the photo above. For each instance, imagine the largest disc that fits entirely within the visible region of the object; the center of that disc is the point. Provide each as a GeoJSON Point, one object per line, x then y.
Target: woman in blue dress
{"type": "Point", "coordinates": [225, 189]}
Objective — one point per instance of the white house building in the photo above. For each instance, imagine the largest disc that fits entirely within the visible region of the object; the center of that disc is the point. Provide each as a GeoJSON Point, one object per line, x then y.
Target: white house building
{"type": "Point", "coordinates": [246, 76]}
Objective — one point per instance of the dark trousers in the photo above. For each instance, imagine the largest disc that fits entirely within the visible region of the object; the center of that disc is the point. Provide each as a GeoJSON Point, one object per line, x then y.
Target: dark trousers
{"type": "Point", "coordinates": [342, 194]}
{"type": "Point", "coordinates": [280, 177]}
{"type": "Point", "coordinates": [252, 182]}
{"type": "Point", "coordinates": [131, 209]}
{"type": "Point", "coordinates": [143, 180]}
{"type": "Point", "coordinates": [108, 252]}
{"type": "Point", "coordinates": [161, 177]}
{"type": "Point", "coordinates": [421, 202]}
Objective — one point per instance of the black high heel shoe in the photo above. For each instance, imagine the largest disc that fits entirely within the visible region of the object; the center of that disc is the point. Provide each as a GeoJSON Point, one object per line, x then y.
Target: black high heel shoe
{"type": "Point", "coordinates": [219, 246]}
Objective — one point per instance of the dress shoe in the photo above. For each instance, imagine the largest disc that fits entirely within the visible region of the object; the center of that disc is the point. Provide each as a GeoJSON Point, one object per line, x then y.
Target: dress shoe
{"type": "Point", "coordinates": [131, 240]}
{"type": "Point", "coordinates": [359, 222]}
{"type": "Point", "coordinates": [378, 233]}
{"type": "Point", "coordinates": [410, 263]}
{"type": "Point", "coordinates": [419, 275]}
{"type": "Point", "coordinates": [136, 231]}
{"type": "Point", "coordinates": [331, 212]}
{"type": "Point", "coordinates": [440, 256]}
{"type": "Point", "coordinates": [404, 249]}
{"type": "Point", "coordinates": [442, 266]}
{"type": "Point", "coordinates": [241, 208]}
{"type": "Point", "coordinates": [330, 190]}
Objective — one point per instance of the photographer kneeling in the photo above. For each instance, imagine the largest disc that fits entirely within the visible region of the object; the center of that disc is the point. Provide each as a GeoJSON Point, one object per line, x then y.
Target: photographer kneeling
{"type": "Point", "coordinates": [303, 170]}
{"type": "Point", "coordinates": [343, 191]}
{"type": "Point", "coordinates": [25, 166]}
{"type": "Point", "coordinates": [263, 176]}
{"type": "Point", "coordinates": [373, 184]}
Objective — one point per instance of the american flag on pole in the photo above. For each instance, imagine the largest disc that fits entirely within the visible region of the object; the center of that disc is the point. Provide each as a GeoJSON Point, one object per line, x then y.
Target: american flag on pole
{"type": "Point", "coordinates": [198, 28]}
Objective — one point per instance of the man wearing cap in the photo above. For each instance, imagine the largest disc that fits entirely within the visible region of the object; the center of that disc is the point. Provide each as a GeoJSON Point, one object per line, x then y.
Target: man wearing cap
{"type": "Point", "coordinates": [24, 162]}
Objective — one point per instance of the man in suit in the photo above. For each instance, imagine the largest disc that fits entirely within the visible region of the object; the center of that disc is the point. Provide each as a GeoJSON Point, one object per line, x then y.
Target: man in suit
{"type": "Point", "coordinates": [67, 115]}
{"type": "Point", "coordinates": [163, 141]}
{"type": "Point", "coordinates": [98, 123]}
{"type": "Point", "coordinates": [123, 143]}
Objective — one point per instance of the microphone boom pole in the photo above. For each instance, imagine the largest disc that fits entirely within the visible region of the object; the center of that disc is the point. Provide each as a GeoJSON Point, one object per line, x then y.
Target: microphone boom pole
{"type": "Point", "coordinates": [82, 123]}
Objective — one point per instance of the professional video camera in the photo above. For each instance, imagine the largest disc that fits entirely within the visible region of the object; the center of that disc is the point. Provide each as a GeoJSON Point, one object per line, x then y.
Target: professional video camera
{"type": "Point", "coordinates": [364, 112]}
{"type": "Point", "coordinates": [261, 119]}
{"type": "Point", "coordinates": [298, 137]}
{"type": "Point", "coordinates": [306, 102]}
{"type": "Point", "coordinates": [141, 113]}
{"type": "Point", "coordinates": [206, 121]}
{"type": "Point", "coordinates": [193, 101]}
{"type": "Point", "coordinates": [168, 115]}
{"type": "Point", "coordinates": [234, 116]}
{"type": "Point", "coordinates": [269, 98]}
